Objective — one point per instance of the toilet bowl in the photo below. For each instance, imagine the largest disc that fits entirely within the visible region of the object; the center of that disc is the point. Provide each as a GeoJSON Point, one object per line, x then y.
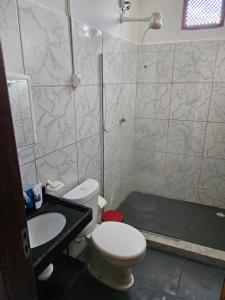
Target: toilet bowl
{"type": "Point", "coordinates": [115, 247]}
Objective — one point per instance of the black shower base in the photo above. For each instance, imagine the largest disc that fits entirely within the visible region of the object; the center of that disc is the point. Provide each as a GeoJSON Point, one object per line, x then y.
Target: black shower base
{"type": "Point", "coordinates": [182, 220]}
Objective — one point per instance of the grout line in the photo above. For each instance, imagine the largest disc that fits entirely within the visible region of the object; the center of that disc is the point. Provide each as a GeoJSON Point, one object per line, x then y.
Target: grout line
{"type": "Point", "coordinates": [20, 35]}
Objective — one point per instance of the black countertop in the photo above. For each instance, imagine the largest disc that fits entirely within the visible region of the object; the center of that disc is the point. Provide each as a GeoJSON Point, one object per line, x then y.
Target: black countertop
{"type": "Point", "coordinates": [77, 217]}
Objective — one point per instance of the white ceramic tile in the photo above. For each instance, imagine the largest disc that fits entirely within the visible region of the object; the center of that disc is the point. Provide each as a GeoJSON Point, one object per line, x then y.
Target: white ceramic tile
{"type": "Point", "coordinates": [195, 61]}
{"type": "Point", "coordinates": [150, 171]}
{"type": "Point", "coordinates": [28, 175]}
{"type": "Point", "coordinates": [112, 191]}
{"type": "Point", "coordinates": [112, 44]}
{"type": "Point", "coordinates": [182, 176]}
{"type": "Point", "coordinates": [186, 137]}
{"type": "Point", "coordinates": [112, 94]}
{"type": "Point", "coordinates": [153, 100]}
{"type": "Point", "coordinates": [212, 181]}
{"type": "Point", "coordinates": [129, 47]}
{"type": "Point", "coordinates": [26, 155]}
{"type": "Point", "coordinates": [129, 72]}
{"type": "Point", "coordinates": [60, 165]}
{"type": "Point", "coordinates": [10, 38]}
{"type": "Point", "coordinates": [220, 63]}
{"type": "Point", "coordinates": [112, 67]}
{"type": "Point", "coordinates": [151, 134]}
{"type": "Point", "coordinates": [215, 140]}
{"type": "Point", "coordinates": [190, 101]}
{"type": "Point", "coordinates": [156, 47]}
{"type": "Point", "coordinates": [127, 101]}
{"type": "Point", "coordinates": [88, 46]}
{"type": "Point", "coordinates": [112, 147]}
{"type": "Point", "coordinates": [55, 118]}
{"type": "Point", "coordinates": [217, 107]}
{"type": "Point", "coordinates": [19, 134]}
{"type": "Point", "coordinates": [14, 101]}
{"type": "Point", "coordinates": [28, 131]}
{"type": "Point", "coordinates": [87, 103]}
{"type": "Point", "coordinates": [46, 45]}
{"type": "Point", "coordinates": [155, 67]}
{"type": "Point", "coordinates": [25, 101]}
{"type": "Point", "coordinates": [89, 158]}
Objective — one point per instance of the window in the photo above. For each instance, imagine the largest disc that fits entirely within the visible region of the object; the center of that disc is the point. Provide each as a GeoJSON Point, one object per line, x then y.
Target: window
{"type": "Point", "coordinates": [203, 14]}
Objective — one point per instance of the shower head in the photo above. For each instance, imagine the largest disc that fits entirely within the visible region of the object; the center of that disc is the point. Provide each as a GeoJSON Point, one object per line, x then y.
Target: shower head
{"type": "Point", "coordinates": [155, 20]}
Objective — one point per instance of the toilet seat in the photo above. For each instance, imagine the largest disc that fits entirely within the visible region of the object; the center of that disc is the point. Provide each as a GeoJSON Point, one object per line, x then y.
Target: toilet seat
{"type": "Point", "coordinates": [119, 241]}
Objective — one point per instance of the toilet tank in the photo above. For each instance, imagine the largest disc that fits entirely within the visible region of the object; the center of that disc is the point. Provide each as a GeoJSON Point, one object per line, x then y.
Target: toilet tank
{"type": "Point", "coordinates": [86, 194]}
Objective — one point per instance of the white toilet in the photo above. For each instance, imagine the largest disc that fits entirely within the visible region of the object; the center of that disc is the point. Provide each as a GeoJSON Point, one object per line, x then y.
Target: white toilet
{"type": "Point", "coordinates": [116, 247]}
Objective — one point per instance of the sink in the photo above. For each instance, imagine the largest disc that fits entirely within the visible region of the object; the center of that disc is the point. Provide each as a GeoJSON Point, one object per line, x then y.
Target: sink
{"type": "Point", "coordinates": [44, 228]}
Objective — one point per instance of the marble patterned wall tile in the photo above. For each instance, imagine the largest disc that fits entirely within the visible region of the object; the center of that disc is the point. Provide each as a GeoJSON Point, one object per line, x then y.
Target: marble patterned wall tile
{"type": "Point", "coordinates": [156, 47]}
{"type": "Point", "coordinates": [26, 155]}
{"type": "Point", "coordinates": [60, 165]}
{"type": "Point", "coordinates": [153, 100]}
{"type": "Point", "coordinates": [155, 67]}
{"type": "Point", "coordinates": [215, 140]}
{"type": "Point", "coordinates": [112, 44]}
{"type": "Point", "coordinates": [212, 181]}
{"type": "Point", "coordinates": [129, 47]}
{"type": "Point", "coordinates": [129, 72]}
{"type": "Point", "coordinates": [112, 68]}
{"type": "Point", "coordinates": [217, 107]}
{"type": "Point", "coordinates": [10, 38]}
{"type": "Point", "coordinates": [88, 46]}
{"type": "Point", "coordinates": [150, 171]}
{"type": "Point", "coordinates": [88, 114]}
{"type": "Point", "coordinates": [127, 101]}
{"type": "Point", "coordinates": [28, 131]}
{"type": "Point", "coordinates": [28, 174]}
{"type": "Point", "coordinates": [186, 137]}
{"type": "Point", "coordinates": [89, 158]}
{"type": "Point", "coordinates": [25, 100]}
{"type": "Point", "coordinates": [220, 63]}
{"type": "Point", "coordinates": [45, 36]}
{"type": "Point", "coordinates": [190, 101]}
{"type": "Point", "coordinates": [14, 101]}
{"type": "Point", "coordinates": [19, 134]}
{"type": "Point", "coordinates": [182, 176]}
{"type": "Point", "coordinates": [112, 95]}
{"type": "Point", "coordinates": [54, 111]}
{"type": "Point", "coordinates": [112, 147]}
{"type": "Point", "coordinates": [195, 61]}
{"type": "Point", "coordinates": [151, 134]}
{"type": "Point", "coordinates": [112, 187]}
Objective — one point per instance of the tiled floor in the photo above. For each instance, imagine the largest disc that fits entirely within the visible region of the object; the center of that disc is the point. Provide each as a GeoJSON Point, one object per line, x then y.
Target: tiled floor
{"type": "Point", "coordinates": [160, 276]}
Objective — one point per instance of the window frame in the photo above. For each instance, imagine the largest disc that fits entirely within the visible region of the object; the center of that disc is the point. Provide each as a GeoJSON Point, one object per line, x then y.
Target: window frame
{"type": "Point", "coordinates": [184, 26]}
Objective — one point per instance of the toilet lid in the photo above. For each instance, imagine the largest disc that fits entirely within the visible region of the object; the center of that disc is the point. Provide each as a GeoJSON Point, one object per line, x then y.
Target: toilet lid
{"type": "Point", "coordinates": [119, 240]}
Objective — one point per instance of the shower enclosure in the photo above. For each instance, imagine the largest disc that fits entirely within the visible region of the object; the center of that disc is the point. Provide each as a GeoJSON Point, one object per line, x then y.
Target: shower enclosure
{"type": "Point", "coordinates": [164, 138]}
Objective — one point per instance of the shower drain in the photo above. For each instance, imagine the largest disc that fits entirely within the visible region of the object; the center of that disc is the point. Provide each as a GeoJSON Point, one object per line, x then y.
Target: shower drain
{"type": "Point", "coordinates": [221, 215]}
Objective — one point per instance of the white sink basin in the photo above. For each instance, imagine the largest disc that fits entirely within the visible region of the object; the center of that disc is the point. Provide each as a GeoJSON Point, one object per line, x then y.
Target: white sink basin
{"type": "Point", "coordinates": [44, 228]}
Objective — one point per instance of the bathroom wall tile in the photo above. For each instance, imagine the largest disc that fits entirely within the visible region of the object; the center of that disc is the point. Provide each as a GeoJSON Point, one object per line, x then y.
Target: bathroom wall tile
{"type": "Point", "coordinates": [60, 165]}
{"type": "Point", "coordinates": [182, 176]}
{"type": "Point", "coordinates": [19, 134]}
{"type": "Point", "coordinates": [88, 46]}
{"type": "Point", "coordinates": [127, 101]}
{"type": "Point", "coordinates": [151, 134]}
{"type": "Point", "coordinates": [87, 103]}
{"type": "Point", "coordinates": [195, 61]}
{"type": "Point", "coordinates": [10, 38]}
{"type": "Point", "coordinates": [112, 44]}
{"type": "Point", "coordinates": [47, 39]}
{"type": "Point", "coordinates": [215, 140]}
{"type": "Point", "coordinates": [129, 72]}
{"type": "Point", "coordinates": [28, 174]}
{"type": "Point", "coordinates": [153, 100]}
{"type": "Point", "coordinates": [190, 101]}
{"type": "Point", "coordinates": [112, 94]}
{"type": "Point", "coordinates": [28, 131]}
{"type": "Point", "coordinates": [186, 137]}
{"type": "Point", "coordinates": [220, 63]}
{"type": "Point", "coordinates": [217, 107]}
{"type": "Point", "coordinates": [26, 155]}
{"type": "Point", "coordinates": [112, 186]}
{"type": "Point", "coordinates": [14, 101]}
{"type": "Point", "coordinates": [156, 47]}
{"type": "Point", "coordinates": [212, 181]}
{"type": "Point", "coordinates": [89, 158]}
{"type": "Point", "coordinates": [112, 147]}
{"type": "Point", "coordinates": [155, 67]}
{"type": "Point", "coordinates": [112, 67]}
{"type": "Point", "coordinates": [54, 117]}
{"type": "Point", "coordinates": [25, 100]}
{"type": "Point", "coordinates": [129, 47]}
{"type": "Point", "coordinates": [150, 171]}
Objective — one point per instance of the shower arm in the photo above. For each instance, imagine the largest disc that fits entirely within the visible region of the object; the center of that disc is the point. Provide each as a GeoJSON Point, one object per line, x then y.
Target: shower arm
{"type": "Point", "coordinates": [130, 19]}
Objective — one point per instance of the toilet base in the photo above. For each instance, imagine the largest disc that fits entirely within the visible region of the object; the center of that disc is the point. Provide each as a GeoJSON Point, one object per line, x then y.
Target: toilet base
{"type": "Point", "coordinates": [115, 277]}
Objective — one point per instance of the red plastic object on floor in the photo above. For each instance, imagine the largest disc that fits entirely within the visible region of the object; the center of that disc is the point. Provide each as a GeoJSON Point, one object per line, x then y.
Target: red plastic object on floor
{"type": "Point", "coordinates": [113, 215]}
